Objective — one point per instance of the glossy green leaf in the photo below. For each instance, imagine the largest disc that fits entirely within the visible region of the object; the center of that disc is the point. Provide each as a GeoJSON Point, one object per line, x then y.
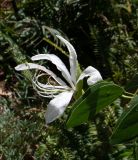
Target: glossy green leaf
{"type": "Point", "coordinates": [127, 126]}
{"type": "Point", "coordinates": [96, 98]}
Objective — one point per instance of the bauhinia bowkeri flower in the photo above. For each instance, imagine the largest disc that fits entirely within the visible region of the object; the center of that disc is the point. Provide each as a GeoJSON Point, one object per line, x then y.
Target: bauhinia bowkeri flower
{"type": "Point", "coordinates": [62, 92]}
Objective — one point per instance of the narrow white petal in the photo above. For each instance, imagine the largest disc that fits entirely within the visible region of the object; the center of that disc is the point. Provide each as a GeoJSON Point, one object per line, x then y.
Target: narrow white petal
{"type": "Point", "coordinates": [58, 62]}
{"type": "Point", "coordinates": [93, 74]}
{"type": "Point", "coordinates": [72, 58]}
{"type": "Point", "coordinates": [57, 106]}
{"type": "Point", "coordinates": [93, 79]}
{"type": "Point", "coordinates": [27, 66]}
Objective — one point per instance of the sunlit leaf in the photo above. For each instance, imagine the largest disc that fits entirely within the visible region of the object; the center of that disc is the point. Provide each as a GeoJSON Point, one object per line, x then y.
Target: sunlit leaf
{"type": "Point", "coordinates": [96, 98]}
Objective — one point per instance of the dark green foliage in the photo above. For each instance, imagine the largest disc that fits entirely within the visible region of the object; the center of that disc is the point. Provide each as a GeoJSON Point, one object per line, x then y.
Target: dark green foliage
{"type": "Point", "coordinates": [127, 125]}
{"type": "Point", "coordinates": [132, 85]}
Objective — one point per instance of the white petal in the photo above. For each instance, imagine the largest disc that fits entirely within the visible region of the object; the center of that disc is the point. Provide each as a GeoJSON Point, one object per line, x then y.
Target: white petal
{"type": "Point", "coordinates": [72, 58]}
{"type": "Point", "coordinates": [59, 64]}
{"type": "Point", "coordinates": [93, 74]}
{"type": "Point", "coordinates": [26, 66]}
{"type": "Point", "coordinates": [93, 79]}
{"type": "Point", "coordinates": [57, 106]}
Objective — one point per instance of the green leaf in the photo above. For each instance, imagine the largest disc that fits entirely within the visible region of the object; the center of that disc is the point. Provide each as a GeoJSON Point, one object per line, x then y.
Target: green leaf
{"type": "Point", "coordinates": [96, 98]}
{"type": "Point", "coordinates": [127, 126]}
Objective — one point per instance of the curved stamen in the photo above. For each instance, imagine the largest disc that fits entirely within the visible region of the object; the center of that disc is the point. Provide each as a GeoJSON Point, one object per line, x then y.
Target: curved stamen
{"type": "Point", "coordinates": [44, 93]}
{"type": "Point", "coordinates": [47, 90]}
{"type": "Point", "coordinates": [49, 85]}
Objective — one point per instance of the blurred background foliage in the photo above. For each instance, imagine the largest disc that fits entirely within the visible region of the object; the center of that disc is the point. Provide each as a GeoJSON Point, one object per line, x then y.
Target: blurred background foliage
{"type": "Point", "coordinates": [105, 32]}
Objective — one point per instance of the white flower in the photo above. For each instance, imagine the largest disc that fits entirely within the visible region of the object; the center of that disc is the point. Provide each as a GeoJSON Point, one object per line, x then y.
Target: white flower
{"type": "Point", "coordinates": [61, 93]}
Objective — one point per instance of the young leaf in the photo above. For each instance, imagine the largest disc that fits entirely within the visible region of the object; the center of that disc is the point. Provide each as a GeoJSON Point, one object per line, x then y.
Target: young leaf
{"type": "Point", "coordinates": [127, 126]}
{"type": "Point", "coordinates": [96, 98]}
